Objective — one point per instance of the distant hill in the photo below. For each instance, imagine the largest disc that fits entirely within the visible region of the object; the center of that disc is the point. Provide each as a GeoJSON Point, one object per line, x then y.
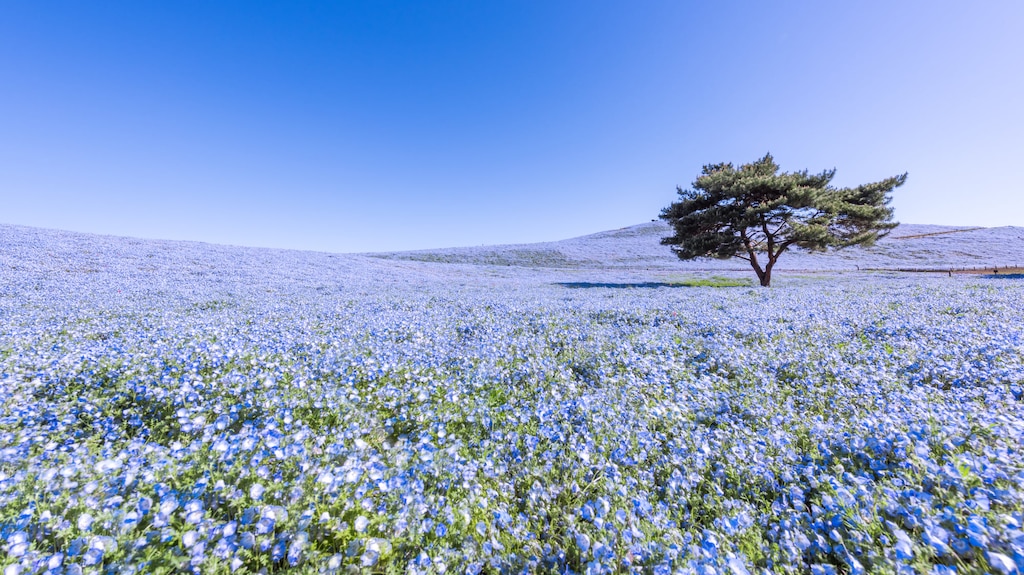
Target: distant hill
{"type": "Point", "coordinates": [26, 251]}
{"type": "Point", "coordinates": [638, 246]}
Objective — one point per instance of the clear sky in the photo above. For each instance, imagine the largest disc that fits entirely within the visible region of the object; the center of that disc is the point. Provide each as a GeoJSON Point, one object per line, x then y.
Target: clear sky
{"type": "Point", "coordinates": [381, 125]}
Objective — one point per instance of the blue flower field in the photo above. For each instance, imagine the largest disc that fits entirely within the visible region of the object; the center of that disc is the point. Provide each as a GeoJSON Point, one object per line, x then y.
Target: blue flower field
{"type": "Point", "coordinates": [172, 407]}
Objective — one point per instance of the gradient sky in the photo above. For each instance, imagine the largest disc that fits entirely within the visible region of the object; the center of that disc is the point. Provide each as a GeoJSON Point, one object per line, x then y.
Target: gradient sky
{"type": "Point", "coordinates": [366, 126]}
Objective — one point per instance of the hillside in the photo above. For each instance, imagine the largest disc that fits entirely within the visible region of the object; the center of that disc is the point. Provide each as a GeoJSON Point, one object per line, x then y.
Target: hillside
{"type": "Point", "coordinates": [27, 253]}
{"type": "Point", "coordinates": [304, 409]}
{"type": "Point", "coordinates": [908, 246]}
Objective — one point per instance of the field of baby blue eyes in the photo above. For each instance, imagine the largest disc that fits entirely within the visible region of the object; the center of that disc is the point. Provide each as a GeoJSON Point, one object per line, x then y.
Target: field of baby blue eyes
{"type": "Point", "coordinates": [180, 407]}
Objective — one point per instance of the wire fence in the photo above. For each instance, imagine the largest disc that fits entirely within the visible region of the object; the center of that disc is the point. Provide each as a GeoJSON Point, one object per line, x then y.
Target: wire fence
{"type": "Point", "coordinates": [995, 269]}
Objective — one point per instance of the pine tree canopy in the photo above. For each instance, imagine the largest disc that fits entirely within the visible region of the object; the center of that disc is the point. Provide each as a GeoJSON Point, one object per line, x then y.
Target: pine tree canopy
{"type": "Point", "coordinates": [756, 213]}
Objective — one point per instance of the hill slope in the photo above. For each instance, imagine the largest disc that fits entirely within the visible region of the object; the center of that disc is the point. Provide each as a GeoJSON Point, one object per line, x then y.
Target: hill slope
{"type": "Point", "coordinates": [917, 246]}
{"type": "Point", "coordinates": [39, 253]}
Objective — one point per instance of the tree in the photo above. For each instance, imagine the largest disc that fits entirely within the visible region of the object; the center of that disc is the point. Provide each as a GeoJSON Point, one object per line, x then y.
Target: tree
{"type": "Point", "coordinates": [758, 210]}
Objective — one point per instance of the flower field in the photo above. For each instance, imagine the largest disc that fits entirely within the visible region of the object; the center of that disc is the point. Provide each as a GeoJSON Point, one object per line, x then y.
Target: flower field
{"type": "Point", "coordinates": [171, 407]}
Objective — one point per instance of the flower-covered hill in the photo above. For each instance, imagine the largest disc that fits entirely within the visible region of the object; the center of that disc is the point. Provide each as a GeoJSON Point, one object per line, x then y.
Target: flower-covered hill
{"type": "Point", "coordinates": [638, 247]}
{"type": "Point", "coordinates": [181, 407]}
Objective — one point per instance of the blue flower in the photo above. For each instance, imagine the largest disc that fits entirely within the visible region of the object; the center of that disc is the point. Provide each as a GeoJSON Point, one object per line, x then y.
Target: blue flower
{"type": "Point", "coordinates": [1001, 563]}
{"type": "Point", "coordinates": [582, 542]}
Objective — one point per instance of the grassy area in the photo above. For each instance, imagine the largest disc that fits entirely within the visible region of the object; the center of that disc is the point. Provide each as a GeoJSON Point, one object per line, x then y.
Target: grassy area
{"type": "Point", "coordinates": [715, 281]}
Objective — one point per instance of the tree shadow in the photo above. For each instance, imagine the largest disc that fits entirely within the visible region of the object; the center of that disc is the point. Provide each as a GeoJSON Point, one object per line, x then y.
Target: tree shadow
{"type": "Point", "coordinates": [646, 285]}
{"type": "Point", "coordinates": [1004, 276]}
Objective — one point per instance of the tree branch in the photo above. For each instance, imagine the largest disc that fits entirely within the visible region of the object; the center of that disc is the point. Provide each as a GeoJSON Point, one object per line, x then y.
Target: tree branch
{"type": "Point", "coordinates": [753, 256]}
{"type": "Point", "coordinates": [771, 241]}
{"type": "Point", "coordinates": [783, 246]}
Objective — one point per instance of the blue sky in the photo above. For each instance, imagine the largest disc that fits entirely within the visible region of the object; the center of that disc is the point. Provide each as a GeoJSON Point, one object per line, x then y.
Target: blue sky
{"type": "Point", "coordinates": [363, 126]}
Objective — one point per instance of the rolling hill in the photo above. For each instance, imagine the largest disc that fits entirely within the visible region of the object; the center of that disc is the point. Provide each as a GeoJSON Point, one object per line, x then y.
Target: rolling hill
{"type": "Point", "coordinates": [635, 250]}
{"type": "Point", "coordinates": [908, 246]}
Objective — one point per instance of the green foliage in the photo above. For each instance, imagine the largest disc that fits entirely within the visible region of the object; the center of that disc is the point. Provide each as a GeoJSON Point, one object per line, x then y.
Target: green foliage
{"type": "Point", "coordinates": [756, 209]}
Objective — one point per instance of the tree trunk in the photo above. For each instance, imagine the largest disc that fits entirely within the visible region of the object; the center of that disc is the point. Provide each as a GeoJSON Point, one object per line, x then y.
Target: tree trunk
{"type": "Point", "coordinates": [762, 276]}
{"type": "Point", "coordinates": [766, 277]}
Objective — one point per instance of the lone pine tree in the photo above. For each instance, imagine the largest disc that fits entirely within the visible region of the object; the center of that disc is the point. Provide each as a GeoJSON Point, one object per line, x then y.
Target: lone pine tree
{"type": "Point", "coordinates": [755, 213]}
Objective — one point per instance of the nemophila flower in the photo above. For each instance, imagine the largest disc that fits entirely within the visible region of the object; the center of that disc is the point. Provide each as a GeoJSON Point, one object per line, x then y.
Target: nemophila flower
{"type": "Point", "coordinates": [1001, 563]}
{"type": "Point", "coordinates": [247, 540]}
{"type": "Point", "coordinates": [805, 418]}
{"type": "Point", "coordinates": [17, 544]}
{"type": "Point", "coordinates": [92, 556]}
{"type": "Point", "coordinates": [84, 521]}
{"type": "Point", "coordinates": [736, 566]}
{"type": "Point", "coordinates": [265, 525]}
{"type": "Point", "coordinates": [582, 542]}
{"type": "Point", "coordinates": [278, 549]}
{"type": "Point", "coordinates": [904, 546]}
{"type": "Point", "coordinates": [369, 557]}
{"type": "Point", "coordinates": [256, 491]}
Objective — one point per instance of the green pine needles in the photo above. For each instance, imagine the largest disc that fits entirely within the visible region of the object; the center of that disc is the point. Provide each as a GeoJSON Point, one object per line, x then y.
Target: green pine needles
{"type": "Point", "coordinates": [756, 213]}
